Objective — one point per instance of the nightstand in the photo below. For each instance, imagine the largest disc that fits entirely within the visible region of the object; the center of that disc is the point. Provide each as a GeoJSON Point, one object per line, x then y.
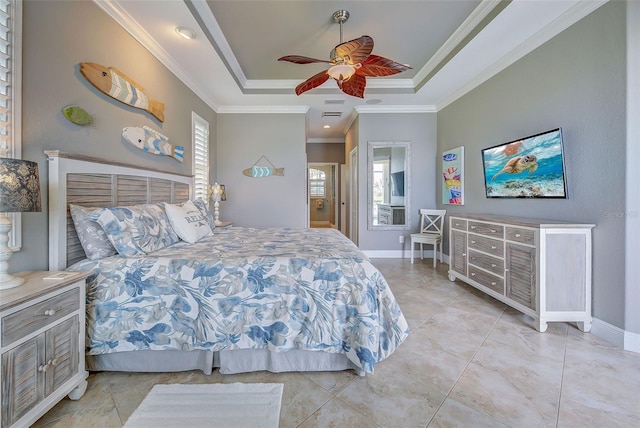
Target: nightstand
{"type": "Point", "coordinates": [42, 344]}
{"type": "Point", "coordinates": [224, 224]}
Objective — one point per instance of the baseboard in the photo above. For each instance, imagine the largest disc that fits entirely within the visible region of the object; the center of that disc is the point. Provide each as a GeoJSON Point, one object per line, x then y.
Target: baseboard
{"type": "Point", "coordinates": [386, 254]}
{"type": "Point", "coordinates": [632, 342]}
{"type": "Point", "coordinates": [625, 339]}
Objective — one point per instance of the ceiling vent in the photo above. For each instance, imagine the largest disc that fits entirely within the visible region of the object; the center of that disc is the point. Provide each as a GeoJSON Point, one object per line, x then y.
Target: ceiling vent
{"type": "Point", "coordinates": [340, 102]}
{"type": "Point", "coordinates": [331, 113]}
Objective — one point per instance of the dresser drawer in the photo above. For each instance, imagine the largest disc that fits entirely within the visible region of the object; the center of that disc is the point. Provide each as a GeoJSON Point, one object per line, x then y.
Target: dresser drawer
{"type": "Point", "coordinates": [526, 236]}
{"type": "Point", "coordinates": [384, 209]}
{"type": "Point", "coordinates": [486, 229]}
{"type": "Point", "coordinates": [492, 264]}
{"type": "Point", "coordinates": [491, 281]}
{"type": "Point", "coordinates": [488, 245]}
{"type": "Point", "coordinates": [459, 224]}
{"type": "Point", "coordinates": [32, 318]}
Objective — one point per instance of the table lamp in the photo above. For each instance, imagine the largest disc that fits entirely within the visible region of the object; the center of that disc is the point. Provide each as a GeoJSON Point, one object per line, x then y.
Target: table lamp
{"type": "Point", "coordinates": [19, 192]}
{"type": "Point", "coordinates": [218, 193]}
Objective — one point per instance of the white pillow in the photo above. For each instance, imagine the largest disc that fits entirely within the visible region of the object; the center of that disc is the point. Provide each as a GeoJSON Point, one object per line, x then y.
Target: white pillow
{"type": "Point", "coordinates": [188, 222]}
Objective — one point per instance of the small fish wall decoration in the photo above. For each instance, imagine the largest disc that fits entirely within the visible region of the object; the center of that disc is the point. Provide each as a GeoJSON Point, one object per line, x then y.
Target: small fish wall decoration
{"type": "Point", "coordinates": [152, 141]}
{"type": "Point", "coordinates": [258, 171]}
{"type": "Point", "coordinates": [118, 86]}
{"type": "Point", "coordinates": [78, 115]}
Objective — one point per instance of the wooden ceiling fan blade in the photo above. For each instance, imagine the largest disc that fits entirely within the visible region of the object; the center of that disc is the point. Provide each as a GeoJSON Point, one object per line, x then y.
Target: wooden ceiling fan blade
{"type": "Point", "coordinates": [312, 82]}
{"type": "Point", "coordinates": [299, 59]}
{"type": "Point", "coordinates": [377, 66]}
{"type": "Point", "coordinates": [356, 50]}
{"type": "Point", "coordinates": [354, 86]}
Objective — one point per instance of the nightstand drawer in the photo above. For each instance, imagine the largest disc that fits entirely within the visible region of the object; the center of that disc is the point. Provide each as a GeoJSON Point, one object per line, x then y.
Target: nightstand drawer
{"type": "Point", "coordinates": [32, 318]}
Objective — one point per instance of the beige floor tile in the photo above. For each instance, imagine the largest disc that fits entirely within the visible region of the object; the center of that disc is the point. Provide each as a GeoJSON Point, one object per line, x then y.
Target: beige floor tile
{"type": "Point", "coordinates": [332, 382]}
{"type": "Point", "coordinates": [453, 414]}
{"type": "Point", "coordinates": [337, 414]}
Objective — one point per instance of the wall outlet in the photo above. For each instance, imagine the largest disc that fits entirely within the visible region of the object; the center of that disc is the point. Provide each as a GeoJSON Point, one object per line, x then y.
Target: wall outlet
{"type": "Point", "coordinates": [401, 239]}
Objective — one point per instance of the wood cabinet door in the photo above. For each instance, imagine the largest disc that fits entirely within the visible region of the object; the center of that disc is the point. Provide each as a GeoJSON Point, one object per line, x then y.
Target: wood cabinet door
{"type": "Point", "coordinates": [459, 251]}
{"type": "Point", "coordinates": [62, 354]}
{"type": "Point", "coordinates": [520, 274]}
{"type": "Point", "coordinates": [22, 383]}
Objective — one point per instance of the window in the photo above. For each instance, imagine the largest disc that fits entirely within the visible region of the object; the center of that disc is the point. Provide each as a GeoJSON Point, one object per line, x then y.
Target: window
{"type": "Point", "coordinates": [200, 157]}
{"type": "Point", "coordinates": [10, 94]}
{"type": "Point", "coordinates": [317, 183]}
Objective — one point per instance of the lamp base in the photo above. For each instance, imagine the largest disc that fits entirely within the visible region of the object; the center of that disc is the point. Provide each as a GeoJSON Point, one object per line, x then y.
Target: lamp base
{"type": "Point", "coordinates": [10, 282]}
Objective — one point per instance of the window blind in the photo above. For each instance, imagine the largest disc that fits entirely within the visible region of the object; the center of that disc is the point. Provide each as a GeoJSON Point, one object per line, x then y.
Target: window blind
{"type": "Point", "coordinates": [200, 157]}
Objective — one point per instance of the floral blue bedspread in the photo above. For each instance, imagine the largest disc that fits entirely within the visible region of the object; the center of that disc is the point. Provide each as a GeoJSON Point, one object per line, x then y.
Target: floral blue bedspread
{"type": "Point", "coordinates": [280, 289]}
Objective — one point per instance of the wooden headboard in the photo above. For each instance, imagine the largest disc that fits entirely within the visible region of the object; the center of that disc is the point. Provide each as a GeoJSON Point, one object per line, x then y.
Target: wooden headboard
{"type": "Point", "coordinates": [92, 182]}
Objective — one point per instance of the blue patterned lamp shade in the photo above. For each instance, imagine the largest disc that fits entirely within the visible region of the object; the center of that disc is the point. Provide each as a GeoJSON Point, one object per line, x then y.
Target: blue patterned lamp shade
{"type": "Point", "coordinates": [19, 192]}
{"type": "Point", "coordinates": [19, 186]}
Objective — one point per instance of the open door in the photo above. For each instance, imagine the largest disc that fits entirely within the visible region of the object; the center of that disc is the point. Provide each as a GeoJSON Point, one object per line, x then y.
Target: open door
{"type": "Point", "coordinates": [322, 191]}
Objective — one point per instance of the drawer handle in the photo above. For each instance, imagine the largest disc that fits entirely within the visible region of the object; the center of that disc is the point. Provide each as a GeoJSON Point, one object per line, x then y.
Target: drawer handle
{"type": "Point", "coordinates": [493, 265]}
{"type": "Point", "coordinates": [50, 312]}
{"type": "Point", "coordinates": [472, 227]}
{"type": "Point", "coordinates": [464, 254]}
{"type": "Point", "coordinates": [473, 274]}
{"type": "Point", "coordinates": [53, 362]}
{"type": "Point", "coordinates": [473, 242]}
{"type": "Point", "coordinates": [493, 283]}
{"type": "Point", "coordinates": [493, 247]}
{"type": "Point", "coordinates": [492, 230]}
{"type": "Point", "coordinates": [43, 368]}
{"type": "Point", "coordinates": [517, 235]}
{"type": "Point", "coordinates": [457, 224]}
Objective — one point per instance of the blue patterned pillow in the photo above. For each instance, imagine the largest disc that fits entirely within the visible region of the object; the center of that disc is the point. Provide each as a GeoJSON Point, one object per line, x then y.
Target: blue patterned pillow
{"type": "Point", "coordinates": [136, 230]}
{"type": "Point", "coordinates": [202, 206]}
{"type": "Point", "coordinates": [95, 243]}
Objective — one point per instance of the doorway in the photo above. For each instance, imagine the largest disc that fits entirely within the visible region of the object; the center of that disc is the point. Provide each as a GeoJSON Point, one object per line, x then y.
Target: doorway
{"type": "Point", "coordinates": [322, 179]}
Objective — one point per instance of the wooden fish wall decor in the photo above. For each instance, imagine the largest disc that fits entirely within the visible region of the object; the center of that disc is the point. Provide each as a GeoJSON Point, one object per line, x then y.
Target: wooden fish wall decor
{"type": "Point", "coordinates": [117, 85]}
{"type": "Point", "coordinates": [151, 141]}
{"type": "Point", "coordinates": [78, 115]}
{"type": "Point", "coordinates": [262, 171]}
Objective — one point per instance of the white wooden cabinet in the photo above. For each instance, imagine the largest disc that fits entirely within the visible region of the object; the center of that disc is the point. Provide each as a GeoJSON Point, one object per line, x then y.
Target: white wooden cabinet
{"type": "Point", "coordinates": [390, 214]}
{"type": "Point", "coordinates": [42, 336]}
{"type": "Point", "coordinates": [541, 268]}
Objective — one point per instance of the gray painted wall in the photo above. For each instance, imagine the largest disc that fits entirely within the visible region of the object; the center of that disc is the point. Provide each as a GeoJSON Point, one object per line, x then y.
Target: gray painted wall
{"type": "Point", "coordinates": [575, 81]}
{"type": "Point", "coordinates": [420, 130]}
{"type": "Point", "coordinates": [57, 36]}
{"type": "Point", "coordinates": [267, 201]}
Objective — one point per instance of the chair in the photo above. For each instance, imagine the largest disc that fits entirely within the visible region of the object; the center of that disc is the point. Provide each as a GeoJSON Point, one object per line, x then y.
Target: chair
{"type": "Point", "coordinates": [430, 232]}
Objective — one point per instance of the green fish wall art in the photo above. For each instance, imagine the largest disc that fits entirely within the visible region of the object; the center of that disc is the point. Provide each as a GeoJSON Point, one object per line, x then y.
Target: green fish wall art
{"type": "Point", "coordinates": [78, 115]}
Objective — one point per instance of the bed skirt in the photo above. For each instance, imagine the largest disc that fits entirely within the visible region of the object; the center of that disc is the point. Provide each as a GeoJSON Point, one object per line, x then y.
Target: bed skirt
{"type": "Point", "coordinates": [228, 362]}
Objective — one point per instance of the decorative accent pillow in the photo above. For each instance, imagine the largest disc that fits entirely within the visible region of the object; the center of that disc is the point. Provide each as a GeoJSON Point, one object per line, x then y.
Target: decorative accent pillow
{"type": "Point", "coordinates": [136, 230]}
{"type": "Point", "coordinates": [187, 221]}
{"type": "Point", "coordinates": [94, 241]}
{"type": "Point", "coordinates": [202, 206]}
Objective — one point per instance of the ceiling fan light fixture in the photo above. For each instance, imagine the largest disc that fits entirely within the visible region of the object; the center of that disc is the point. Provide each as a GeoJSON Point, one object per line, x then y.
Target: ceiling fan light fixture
{"type": "Point", "coordinates": [341, 72]}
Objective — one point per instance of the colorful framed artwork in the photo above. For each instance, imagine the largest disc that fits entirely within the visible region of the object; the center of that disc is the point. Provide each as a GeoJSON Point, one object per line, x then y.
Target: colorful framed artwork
{"type": "Point", "coordinates": [453, 176]}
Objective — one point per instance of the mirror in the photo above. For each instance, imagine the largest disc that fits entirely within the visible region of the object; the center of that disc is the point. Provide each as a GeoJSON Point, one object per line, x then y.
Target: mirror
{"type": "Point", "coordinates": [388, 185]}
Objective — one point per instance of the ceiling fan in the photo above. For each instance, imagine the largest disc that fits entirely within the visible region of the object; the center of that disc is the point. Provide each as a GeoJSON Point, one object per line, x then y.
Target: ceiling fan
{"type": "Point", "coordinates": [351, 63]}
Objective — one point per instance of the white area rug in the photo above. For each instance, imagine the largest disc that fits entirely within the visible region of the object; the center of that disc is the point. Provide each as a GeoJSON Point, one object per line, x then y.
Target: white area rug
{"type": "Point", "coordinates": [234, 405]}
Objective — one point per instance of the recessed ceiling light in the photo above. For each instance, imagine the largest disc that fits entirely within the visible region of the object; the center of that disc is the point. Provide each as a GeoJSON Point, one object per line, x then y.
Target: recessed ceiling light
{"type": "Point", "coordinates": [327, 126]}
{"type": "Point", "coordinates": [186, 33]}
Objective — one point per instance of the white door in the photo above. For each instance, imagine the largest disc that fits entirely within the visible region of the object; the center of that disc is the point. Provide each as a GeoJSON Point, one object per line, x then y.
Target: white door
{"type": "Point", "coordinates": [353, 196]}
{"type": "Point", "coordinates": [343, 200]}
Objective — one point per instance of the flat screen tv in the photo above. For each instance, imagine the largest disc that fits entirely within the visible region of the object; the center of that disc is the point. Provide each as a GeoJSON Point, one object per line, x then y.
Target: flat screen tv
{"type": "Point", "coordinates": [397, 183]}
{"type": "Point", "coordinates": [531, 167]}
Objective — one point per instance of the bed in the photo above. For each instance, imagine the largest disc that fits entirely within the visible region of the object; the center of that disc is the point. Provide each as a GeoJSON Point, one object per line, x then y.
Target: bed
{"type": "Point", "coordinates": [240, 299]}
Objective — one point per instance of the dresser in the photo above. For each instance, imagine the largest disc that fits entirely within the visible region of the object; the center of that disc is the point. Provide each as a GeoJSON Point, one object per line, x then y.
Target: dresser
{"type": "Point", "coordinates": [390, 214]}
{"type": "Point", "coordinates": [541, 268]}
{"type": "Point", "coordinates": [42, 336]}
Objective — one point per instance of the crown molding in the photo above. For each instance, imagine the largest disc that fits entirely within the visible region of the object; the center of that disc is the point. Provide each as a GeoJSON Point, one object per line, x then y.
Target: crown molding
{"type": "Point", "coordinates": [574, 14]}
{"type": "Point", "coordinates": [126, 21]}
{"type": "Point", "coordinates": [456, 41]}
{"type": "Point", "coordinates": [263, 109]}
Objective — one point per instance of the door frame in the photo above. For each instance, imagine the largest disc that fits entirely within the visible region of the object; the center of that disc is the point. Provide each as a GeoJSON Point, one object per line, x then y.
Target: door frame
{"type": "Point", "coordinates": [336, 190]}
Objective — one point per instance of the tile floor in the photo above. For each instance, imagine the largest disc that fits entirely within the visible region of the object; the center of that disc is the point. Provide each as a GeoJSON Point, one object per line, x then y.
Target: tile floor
{"type": "Point", "coordinates": [469, 361]}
